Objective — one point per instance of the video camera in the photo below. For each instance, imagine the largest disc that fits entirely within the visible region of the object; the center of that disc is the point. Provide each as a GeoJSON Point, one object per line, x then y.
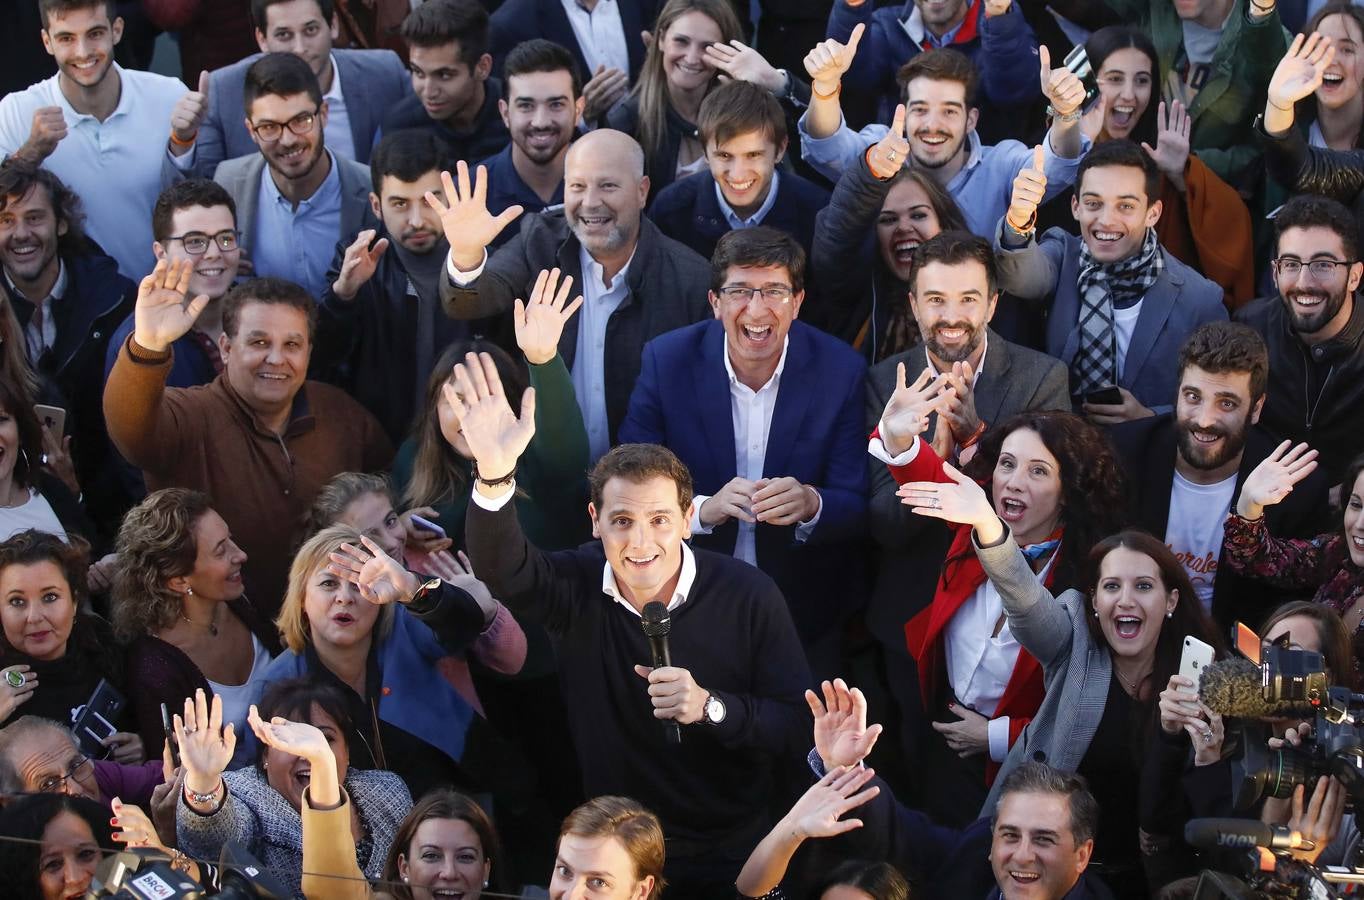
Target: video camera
{"type": "Point", "coordinates": [147, 875]}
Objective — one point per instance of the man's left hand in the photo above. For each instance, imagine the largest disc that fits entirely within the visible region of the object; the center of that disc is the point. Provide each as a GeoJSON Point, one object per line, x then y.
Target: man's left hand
{"type": "Point", "coordinates": [674, 694]}
{"type": "Point", "coordinates": [1128, 410]}
{"type": "Point", "coordinates": [784, 501]}
{"type": "Point", "coordinates": [960, 411]}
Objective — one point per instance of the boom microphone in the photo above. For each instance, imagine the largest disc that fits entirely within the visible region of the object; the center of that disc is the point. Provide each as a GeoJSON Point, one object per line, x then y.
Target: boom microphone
{"type": "Point", "coordinates": [656, 623]}
{"type": "Point", "coordinates": [1233, 687]}
{"type": "Point", "coordinates": [1242, 834]}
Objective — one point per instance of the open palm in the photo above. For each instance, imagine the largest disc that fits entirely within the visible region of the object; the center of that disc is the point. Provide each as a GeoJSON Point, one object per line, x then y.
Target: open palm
{"type": "Point", "coordinates": [842, 736]}
{"type": "Point", "coordinates": [540, 321]}
{"type": "Point", "coordinates": [464, 216]}
{"type": "Point", "coordinates": [1300, 72]}
{"type": "Point", "coordinates": [1275, 477]}
{"type": "Point", "coordinates": [907, 411]}
{"type": "Point", "coordinates": [380, 578]}
{"type": "Point", "coordinates": [296, 738]}
{"type": "Point", "coordinates": [161, 315]}
{"type": "Point", "coordinates": [496, 437]}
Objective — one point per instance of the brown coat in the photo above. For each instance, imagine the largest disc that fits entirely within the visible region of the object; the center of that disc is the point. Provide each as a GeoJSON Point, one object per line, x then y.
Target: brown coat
{"type": "Point", "coordinates": [1208, 228]}
{"type": "Point", "coordinates": [207, 438]}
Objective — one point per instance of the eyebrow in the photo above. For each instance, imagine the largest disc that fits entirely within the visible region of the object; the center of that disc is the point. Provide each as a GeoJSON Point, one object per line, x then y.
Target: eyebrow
{"type": "Point", "coordinates": [522, 98]}
{"type": "Point", "coordinates": [653, 512]}
{"type": "Point", "coordinates": [1136, 197]}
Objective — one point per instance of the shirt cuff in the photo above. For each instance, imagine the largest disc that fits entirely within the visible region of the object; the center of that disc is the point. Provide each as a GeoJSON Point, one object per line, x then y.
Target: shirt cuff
{"type": "Point", "coordinates": [184, 162]}
{"type": "Point", "coordinates": [997, 731]}
{"type": "Point", "coordinates": [463, 279]}
{"type": "Point", "coordinates": [816, 763]}
{"type": "Point", "coordinates": [493, 504]}
{"type": "Point", "coordinates": [697, 526]}
{"type": "Point", "coordinates": [878, 449]}
{"type": "Point", "coordinates": [804, 529]}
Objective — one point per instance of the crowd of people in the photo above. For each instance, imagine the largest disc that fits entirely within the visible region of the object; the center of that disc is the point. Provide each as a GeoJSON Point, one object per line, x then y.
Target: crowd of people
{"type": "Point", "coordinates": [469, 448]}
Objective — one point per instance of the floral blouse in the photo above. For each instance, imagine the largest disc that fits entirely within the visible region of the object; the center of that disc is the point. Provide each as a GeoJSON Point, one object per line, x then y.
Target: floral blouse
{"type": "Point", "coordinates": [1323, 562]}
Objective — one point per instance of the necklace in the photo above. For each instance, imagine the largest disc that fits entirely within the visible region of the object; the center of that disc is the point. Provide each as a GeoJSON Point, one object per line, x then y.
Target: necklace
{"type": "Point", "coordinates": [1130, 684]}
{"type": "Point", "coordinates": [212, 626]}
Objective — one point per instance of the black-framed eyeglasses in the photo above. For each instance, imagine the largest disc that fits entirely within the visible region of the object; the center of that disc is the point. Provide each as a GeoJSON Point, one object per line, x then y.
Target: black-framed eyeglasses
{"type": "Point", "coordinates": [1321, 269]}
{"type": "Point", "coordinates": [196, 242]}
{"type": "Point", "coordinates": [773, 293]}
{"type": "Point", "coordinates": [273, 131]}
{"type": "Point", "coordinates": [56, 784]}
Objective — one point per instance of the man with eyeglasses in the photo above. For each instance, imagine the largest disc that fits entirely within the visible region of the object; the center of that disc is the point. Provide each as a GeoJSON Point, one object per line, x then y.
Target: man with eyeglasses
{"type": "Point", "coordinates": [770, 425]}
{"type": "Point", "coordinates": [1314, 330]}
{"type": "Point", "coordinates": [295, 199]}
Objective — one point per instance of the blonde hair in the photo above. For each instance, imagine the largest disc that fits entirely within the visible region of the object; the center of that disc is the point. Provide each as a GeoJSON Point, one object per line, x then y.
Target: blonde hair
{"type": "Point", "coordinates": [292, 620]}
{"type": "Point", "coordinates": [339, 493]}
{"type": "Point", "coordinates": [652, 86]}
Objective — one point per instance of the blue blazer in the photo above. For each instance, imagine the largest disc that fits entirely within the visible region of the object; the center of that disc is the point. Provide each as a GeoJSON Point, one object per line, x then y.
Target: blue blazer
{"type": "Point", "coordinates": [688, 211]}
{"type": "Point", "coordinates": [371, 80]}
{"type": "Point", "coordinates": [682, 401]}
{"type": "Point", "coordinates": [520, 20]}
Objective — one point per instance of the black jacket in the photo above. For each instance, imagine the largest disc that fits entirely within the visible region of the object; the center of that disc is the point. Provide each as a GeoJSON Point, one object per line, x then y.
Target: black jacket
{"type": "Point", "coordinates": [520, 20]}
{"type": "Point", "coordinates": [1315, 393]}
{"type": "Point", "coordinates": [1301, 168]}
{"type": "Point", "coordinates": [667, 289]}
{"type": "Point", "coordinates": [661, 165]}
{"type": "Point", "coordinates": [1147, 448]}
{"type": "Point", "coordinates": [688, 211]}
{"type": "Point", "coordinates": [487, 136]}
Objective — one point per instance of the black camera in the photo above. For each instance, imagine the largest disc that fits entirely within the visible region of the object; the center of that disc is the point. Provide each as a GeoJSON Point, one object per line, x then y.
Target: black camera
{"type": "Point", "coordinates": [147, 875]}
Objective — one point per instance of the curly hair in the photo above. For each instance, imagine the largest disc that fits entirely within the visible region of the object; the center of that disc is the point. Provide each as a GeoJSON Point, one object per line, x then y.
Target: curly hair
{"type": "Point", "coordinates": [1093, 486]}
{"type": "Point", "coordinates": [155, 544]}
{"type": "Point", "coordinates": [19, 177]}
{"type": "Point", "coordinates": [30, 547]}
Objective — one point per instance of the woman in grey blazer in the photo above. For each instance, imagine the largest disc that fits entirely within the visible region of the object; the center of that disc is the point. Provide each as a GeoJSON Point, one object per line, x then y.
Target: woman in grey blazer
{"type": "Point", "coordinates": [1106, 654]}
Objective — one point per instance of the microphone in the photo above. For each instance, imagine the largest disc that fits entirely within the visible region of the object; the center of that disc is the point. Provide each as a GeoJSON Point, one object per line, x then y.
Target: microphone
{"type": "Point", "coordinates": [1242, 834]}
{"type": "Point", "coordinates": [1233, 687]}
{"type": "Point", "coordinates": [656, 623]}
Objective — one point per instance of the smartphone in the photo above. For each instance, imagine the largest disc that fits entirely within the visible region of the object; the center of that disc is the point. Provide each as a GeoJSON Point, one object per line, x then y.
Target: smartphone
{"type": "Point", "coordinates": [1105, 396]}
{"type": "Point", "coordinates": [93, 723]}
{"type": "Point", "coordinates": [54, 417]}
{"type": "Point", "coordinates": [427, 525]}
{"type": "Point", "coordinates": [1196, 657]}
{"type": "Point", "coordinates": [1077, 61]}
{"type": "Point", "coordinates": [169, 729]}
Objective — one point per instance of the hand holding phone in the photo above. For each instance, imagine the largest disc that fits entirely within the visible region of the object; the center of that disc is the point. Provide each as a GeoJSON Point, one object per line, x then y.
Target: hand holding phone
{"type": "Point", "coordinates": [427, 525]}
{"type": "Point", "coordinates": [169, 730]}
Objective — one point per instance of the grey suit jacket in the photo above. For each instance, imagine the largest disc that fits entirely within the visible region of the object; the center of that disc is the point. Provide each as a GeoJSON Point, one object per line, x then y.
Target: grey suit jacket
{"type": "Point", "coordinates": [241, 177]}
{"type": "Point", "coordinates": [1075, 668]}
{"type": "Point", "coordinates": [372, 81]}
{"type": "Point", "coordinates": [1179, 301]}
{"type": "Point", "coordinates": [1014, 379]}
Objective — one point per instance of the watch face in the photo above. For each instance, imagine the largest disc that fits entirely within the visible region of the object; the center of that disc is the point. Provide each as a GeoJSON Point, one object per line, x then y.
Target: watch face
{"type": "Point", "coordinates": [715, 710]}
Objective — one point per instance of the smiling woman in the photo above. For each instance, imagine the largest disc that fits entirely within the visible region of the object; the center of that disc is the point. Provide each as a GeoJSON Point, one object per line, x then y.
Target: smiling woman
{"type": "Point", "coordinates": [71, 835]}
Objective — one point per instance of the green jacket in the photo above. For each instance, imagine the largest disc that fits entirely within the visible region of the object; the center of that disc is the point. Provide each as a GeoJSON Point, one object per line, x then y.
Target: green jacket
{"type": "Point", "coordinates": [1225, 109]}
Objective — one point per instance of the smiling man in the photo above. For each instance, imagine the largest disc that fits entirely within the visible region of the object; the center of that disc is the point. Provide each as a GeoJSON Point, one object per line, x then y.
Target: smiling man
{"type": "Point", "coordinates": [259, 439]}
{"type": "Point", "coordinates": [733, 690]}
{"type": "Point", "coordinates": [1120, 304]}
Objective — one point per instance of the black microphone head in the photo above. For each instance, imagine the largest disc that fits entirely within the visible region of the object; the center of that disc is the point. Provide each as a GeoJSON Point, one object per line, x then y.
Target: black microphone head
{"type": "Point", "coordinates": [655, 619]}
{"type": "Point", "coordinates": [1229, 834]}
{"type": "Point", "coordinates": [1233, 687]}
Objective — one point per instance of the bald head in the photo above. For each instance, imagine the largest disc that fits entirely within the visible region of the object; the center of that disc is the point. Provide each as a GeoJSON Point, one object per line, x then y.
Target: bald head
{"type": "Point", "coordinates": [605, 189]}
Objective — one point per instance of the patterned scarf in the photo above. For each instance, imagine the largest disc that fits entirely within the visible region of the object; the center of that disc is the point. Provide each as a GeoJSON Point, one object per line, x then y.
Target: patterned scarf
{"type": "Point", "coordinates": [1104, 286]}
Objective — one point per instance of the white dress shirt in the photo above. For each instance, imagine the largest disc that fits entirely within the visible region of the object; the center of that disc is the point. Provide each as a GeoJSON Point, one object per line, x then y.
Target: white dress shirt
{"type": "Point", "coordinates": [337, 133]}
{"type": "Point", "coordinates": [751, 414]}
{"type": "Point", "coordinates": [600, 34]}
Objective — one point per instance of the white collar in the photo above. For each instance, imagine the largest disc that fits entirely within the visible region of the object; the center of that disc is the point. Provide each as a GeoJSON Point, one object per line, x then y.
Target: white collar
{"type": "Point", "coordinates": [58, 286]}
{"type": "Point", "coordinates": [684, 582]}
{"type": "Point", "coordinates": [776, 373]}
{"type": "Point", "coordinates": [593, 269]}
{"type": "Point", "coordinates": [975, 376]}
{"type": "Point", "coordinates": [759, 214]}
{"type": "Point", "coordinates": [335, 92]}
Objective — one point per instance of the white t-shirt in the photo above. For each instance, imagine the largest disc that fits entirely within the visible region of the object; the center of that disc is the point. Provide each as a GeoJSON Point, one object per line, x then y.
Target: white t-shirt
{"type": "Point", "coordinates": [1124, 323]}
{"type": "Point", "coordinates": [1194, 529]}
{"type": "Point", "coordinates": [36, 513]}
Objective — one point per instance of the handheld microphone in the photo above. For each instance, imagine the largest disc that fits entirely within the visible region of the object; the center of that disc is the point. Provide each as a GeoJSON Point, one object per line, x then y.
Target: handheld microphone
{"type": "Point", "coordinates": [1242, 834]}
{"type": "Point", "coordinates": [1234, 687]}
{"type": "Point", "coordinates": [656, 623]}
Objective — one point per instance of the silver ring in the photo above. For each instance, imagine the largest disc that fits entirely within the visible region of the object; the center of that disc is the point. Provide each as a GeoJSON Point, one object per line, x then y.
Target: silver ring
{"type": "Point", "coordinates": [1207, 737]}
{"type": "Point", "coordinates": [937, 503]}
{"type": "Point", "coordinates": [890, 155]}
{"type": "Point", "coordinates": [16, 679]}
{"type": "Point", "coordinates": [44, 459]}
{"type": "Point", "coordinates": [190, 730]}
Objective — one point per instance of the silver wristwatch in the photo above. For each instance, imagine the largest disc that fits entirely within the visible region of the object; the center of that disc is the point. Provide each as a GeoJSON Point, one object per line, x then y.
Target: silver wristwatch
{"type": "Point", "coordinates": [713, 710]}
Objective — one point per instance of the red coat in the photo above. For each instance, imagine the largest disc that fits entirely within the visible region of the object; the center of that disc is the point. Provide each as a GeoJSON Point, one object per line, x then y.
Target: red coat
{"type": "Point", "coordinates": [961, 576]}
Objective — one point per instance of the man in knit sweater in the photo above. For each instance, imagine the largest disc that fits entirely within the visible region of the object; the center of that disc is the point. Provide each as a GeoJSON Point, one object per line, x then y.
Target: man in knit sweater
{"type": "Point", "coordinates": [735, 686]}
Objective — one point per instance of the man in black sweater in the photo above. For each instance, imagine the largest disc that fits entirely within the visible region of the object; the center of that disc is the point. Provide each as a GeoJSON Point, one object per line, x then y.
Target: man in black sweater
{"type": "Point", "coordinates": [736, 686]}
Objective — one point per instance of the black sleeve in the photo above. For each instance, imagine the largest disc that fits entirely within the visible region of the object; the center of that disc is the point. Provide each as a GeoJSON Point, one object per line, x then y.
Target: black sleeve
{"type": "Point", "coordinates": [452, 614]}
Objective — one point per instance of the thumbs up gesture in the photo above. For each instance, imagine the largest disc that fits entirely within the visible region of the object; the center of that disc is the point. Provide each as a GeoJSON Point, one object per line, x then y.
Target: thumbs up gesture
{"type": "Point", "coordinates": [1062, 87]}
{"type": "Point", "coordinates": [1030, 186]}
{"type": "Point", "coordinates": [892, 151]}
{"type": "Point", "coordinates": [830, 59]}
{"type": "Point", "coordinates": [187, 115]}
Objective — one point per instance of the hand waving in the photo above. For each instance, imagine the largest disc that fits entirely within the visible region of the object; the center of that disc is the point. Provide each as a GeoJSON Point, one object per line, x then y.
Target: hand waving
{"type": "Point", "coordinates": [464, 216]}
{"type": "Point", "coordinates": [830, 59]}
{"type": "Point", "coordinates": [907, 411]}
{"type": "Point", "coordinates": [892, 151]}
{"type": "Point", "coordinates": [1030, 189]}
{"type": "Point", "coordinates": [741, 62]}
{"type": "Point", "coordinates": [961, 500]}
{"type": "Point", "coordinates": [161, 315]}
{"type": "Point", "coordinates": [1171, 152]}
{"type": "Point", "coordinates": [206, 744]}
{"type": "Point", "coordinates": [1300, 71]}
{"type": "Point", "coordinates": [540, 322]}
{"type": "Point", "coordinates": [820, 810]}
{"type": "Point", "coordinates": [842, 735]}
{"type": "Point", "coordinates": [380, 578]}
{"type": "Point", "coordinates": [359, 264]}
{"type": "Point", "coordinates": [306, 742]}
{"type": "Point", "coordinates": [1275, 478]}
{"type": "Point", "coordinates": [496, 437]}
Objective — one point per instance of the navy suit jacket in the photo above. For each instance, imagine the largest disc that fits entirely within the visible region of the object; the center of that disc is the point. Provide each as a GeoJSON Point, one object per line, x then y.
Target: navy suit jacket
{"type": "Point", "coordinates": [682, 401]}
{"type": "Point", "coordinates": [372, 81]}
{"type": "Point", "coordinates": [520, 20]}
{"type": "Point", "coordinates": [688, 211]}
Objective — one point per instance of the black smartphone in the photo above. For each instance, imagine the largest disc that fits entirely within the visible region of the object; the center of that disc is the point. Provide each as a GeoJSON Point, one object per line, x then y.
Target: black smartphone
{"type": "Point", "coordinates": [1077, 61]}
{"type": "Point", "coordinates": [1105, 396]}
{"type": "Point", "coordinates": [93, 723]}
{"type": "Point", "coordinates": [169, 730]}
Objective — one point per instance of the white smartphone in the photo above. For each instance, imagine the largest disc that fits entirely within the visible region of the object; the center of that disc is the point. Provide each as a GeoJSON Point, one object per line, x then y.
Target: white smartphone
{"type": "Point", "coordinates": [427, 525]}
{"type": "Point", "coordinates": [1196, 657]}
{"type": "Point", "coordinates": [54, 417]}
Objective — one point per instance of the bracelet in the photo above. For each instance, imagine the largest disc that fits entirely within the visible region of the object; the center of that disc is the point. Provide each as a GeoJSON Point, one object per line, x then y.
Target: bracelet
{"type": "Point", "coordinates": [838, 90]}
{"type": "Point", "coordinates": [180, 862]}
{"type": "Point", "coordinates": [1072, 116]}
{"type": "Point", "coordinates": [494, 482]}
{"type": "Point", "coordinates": [1026, 228]}
{"type": "Point", "coordinates": [211, 798]}
{"type": "Point", "coordinates": [1287, 109]}
{"type": "Point", "coordinates": [975, 435]}
{"type": "Point", "coordinates": [186, 143]}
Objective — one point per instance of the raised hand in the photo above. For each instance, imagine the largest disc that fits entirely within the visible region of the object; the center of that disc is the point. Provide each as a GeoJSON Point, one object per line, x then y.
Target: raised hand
{"type": "Point", "coordinates": [464, 216]}
{"type": "Point", "coordinates": [359, 264]}
{"type": "Point", "coordinates": [961, 500]}
{"type": "Point", "coordinates": [741, 62]}
{"type": "Point", "coordinates": [457, 570]}
{"type": "Point", "coordinates": [166, 796]}
{"type": "Point", "coordinates": [1274, 478]}
{"type": "Point", "coordinates": [890, 153]}
{"type": "Point", "coordinates": [496, 437]}
{"type": "Point", "coordinates": [540, 322]}
{"type": "Point", "coordinates": [1179, 707]}
{"type": "Point", "coordinates": [47, 131]}
{"type": "Point", "coordinates": [820, 810]}
{"type": "Point", "coordinates": [187, 115]}
{"type": "Point", "coordinates": [830, 59]}
{"type": "Point", "coordinates": [1030, 189]}
{"type": "Point", "coordinates": [603, 89]}
{"type": "Point", "coordinates": [1094, 118]}
{"type": "Point", "coordinates": [206, 744]}
{"type": "Point", "coordinates": [784, 501]}
{"type": "Point", "coordinates": [907, 411]}
{"type": "Point", "coordinates": [161, 315]}
{"type": "Point", "coordinates": [380, 578]}
{"type": "Point", "coordinates": [1300, 71]}
{"type": "Point", "coordinates": [306, 742]}
{"type": "Point", "coordinates": [733, 501]}
{"type": "Point", "coordinates": [1063, 88]}
{"type": "Point", "coordinates": [138, 831]}
{"type": "Point", "coordinates": [1171, 152]}
{"type": "Point", "coordinates": [842, 735]}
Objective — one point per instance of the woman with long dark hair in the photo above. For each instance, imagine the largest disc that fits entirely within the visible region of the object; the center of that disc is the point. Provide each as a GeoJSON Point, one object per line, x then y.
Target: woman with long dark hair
{"type": "Point", "coordinates": [53, 845]}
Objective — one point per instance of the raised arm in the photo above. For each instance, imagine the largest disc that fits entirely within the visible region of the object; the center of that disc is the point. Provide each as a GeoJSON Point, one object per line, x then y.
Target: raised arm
{"type": "Point", "coordinates": [1247, 546]}
{"type": "Point", "coordinates": [826, 65]}
{"type": "Point", "coordinates": [469, 228]}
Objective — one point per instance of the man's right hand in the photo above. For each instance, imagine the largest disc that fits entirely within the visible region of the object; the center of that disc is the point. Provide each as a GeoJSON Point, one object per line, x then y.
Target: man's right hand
{"type": "Point", "coordinates": [842, 735]}
{"type": "Point", "coordinates": [161, 315]}
{"type": "Point", "coordinates": [733, 501]}
{"type": "Point", "coordinates": [827, 63]}
{"type": "Point", "coordinates": [359, 264]}
{"type": "Point", "coordinates": [464, 216]}
{"type": "Point", "coordinates": [906, 413]}
{"type": "Point", "coordinates": [496, 437]}
{"type": "Point", "coordinates": [188, 115]}
{"type": "Point", "coordinates": [1030, 187]}
{"type": "Point", "coordinates": [49, 127]}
